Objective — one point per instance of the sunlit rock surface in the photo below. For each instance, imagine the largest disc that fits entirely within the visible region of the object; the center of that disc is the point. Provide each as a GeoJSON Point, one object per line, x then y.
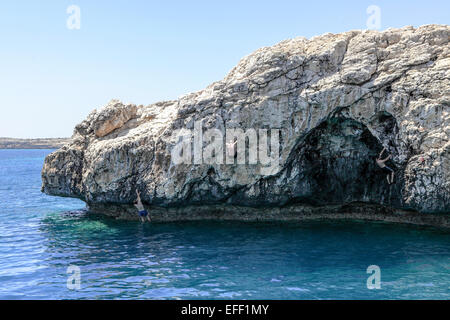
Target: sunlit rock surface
{"type": "Point", "coordinates": [337, 98]}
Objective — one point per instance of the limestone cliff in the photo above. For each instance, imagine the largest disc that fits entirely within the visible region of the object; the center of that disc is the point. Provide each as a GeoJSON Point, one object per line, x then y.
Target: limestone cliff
{"type": "Point", "coordinates": [338, 100]}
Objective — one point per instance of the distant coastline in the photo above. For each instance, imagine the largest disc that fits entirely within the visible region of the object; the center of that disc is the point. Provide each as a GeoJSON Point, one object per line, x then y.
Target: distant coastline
{"type": "Point", "coordinates": [41, 143]}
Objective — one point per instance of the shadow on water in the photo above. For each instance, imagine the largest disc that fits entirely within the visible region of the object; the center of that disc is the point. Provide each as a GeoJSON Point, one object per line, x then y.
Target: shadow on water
{"type": "Point", "coordinates": [319, 259]}
{"type": "Point", "coordinates": [197, 260]}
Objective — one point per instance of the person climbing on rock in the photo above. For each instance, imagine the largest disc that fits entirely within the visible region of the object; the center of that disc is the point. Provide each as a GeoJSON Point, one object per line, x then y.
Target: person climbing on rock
{"type": "Point", "coordinates": [380, 162]}
{"type": "Point", "coordinates": [142, 212]}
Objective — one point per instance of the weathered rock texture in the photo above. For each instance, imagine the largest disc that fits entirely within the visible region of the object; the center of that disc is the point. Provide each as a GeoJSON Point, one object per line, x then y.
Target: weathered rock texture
{"type": "Point", "coordinates": [338, 98]}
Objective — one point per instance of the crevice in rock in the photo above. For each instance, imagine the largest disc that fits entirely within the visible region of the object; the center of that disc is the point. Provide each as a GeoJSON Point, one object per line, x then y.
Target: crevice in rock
{"type": "Point", "coordinates": [334, 163]}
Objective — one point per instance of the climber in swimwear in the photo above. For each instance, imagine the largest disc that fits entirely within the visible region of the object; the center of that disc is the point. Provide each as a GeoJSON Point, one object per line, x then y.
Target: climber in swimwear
{"type": "Point", "coordinates": [142, 212]}
{"type": "Point", "coordinates": [380, 162]}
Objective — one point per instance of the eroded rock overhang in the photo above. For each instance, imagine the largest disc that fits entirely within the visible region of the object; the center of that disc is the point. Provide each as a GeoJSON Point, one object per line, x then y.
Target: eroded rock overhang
{"type": "Point", "coordinates": [337, 98]}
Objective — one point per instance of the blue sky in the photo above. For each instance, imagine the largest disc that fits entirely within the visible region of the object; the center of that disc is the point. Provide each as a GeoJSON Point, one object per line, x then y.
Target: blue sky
{"type": "Point", "coordinates": [146, 51]}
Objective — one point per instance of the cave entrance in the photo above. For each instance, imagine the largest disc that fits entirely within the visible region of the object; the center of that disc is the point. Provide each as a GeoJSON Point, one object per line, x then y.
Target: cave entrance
{"type": "Point", "coordinates": [337, 164]}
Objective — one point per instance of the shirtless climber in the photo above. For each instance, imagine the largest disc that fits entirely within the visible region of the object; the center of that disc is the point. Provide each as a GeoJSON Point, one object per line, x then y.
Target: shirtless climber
{"type": "Point", "coordinates": [142, 212]}
{"type": "Point", "coordinates": [380, 162]}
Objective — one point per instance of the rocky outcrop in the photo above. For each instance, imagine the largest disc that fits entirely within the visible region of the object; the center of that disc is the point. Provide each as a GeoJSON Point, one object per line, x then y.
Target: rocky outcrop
{"type": "Point", "coordinates": [337, 99]}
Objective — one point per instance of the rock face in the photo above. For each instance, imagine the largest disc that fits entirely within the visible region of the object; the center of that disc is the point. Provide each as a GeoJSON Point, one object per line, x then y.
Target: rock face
{"type": "Point", "coordinates": [337, 99]}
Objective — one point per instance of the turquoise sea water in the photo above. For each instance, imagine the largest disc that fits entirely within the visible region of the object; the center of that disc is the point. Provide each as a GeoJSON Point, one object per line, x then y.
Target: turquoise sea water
{"type": "Point", "coordinates": [40, 238]}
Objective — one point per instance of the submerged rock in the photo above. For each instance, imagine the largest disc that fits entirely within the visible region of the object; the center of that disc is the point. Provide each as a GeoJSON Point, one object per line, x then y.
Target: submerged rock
{"type": "Point", "coordinates": [337, 99]}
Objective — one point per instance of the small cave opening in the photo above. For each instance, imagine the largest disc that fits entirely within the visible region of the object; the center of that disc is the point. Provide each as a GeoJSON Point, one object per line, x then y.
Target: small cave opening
{"type": "Point", "coordinates": [211, 171]}
{"type": "Point", "coordinates": [335, 164]}
{"type": "Point", "coordinates": [386, 127]}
